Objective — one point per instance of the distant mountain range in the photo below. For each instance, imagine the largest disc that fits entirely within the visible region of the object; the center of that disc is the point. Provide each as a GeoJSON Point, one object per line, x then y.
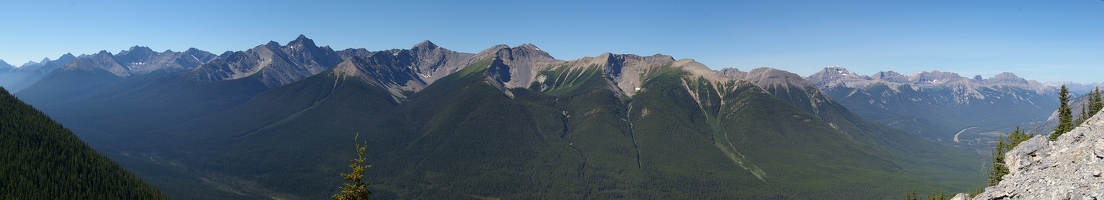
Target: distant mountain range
{"type": "Point", "coordinates": [942, 105]}
{"type": "Point", "coordinates": [1076, 88]}
{"type": "Point", "coordinates": [19, 78]}
{"type": "Point", "coordinates": [278, 121]}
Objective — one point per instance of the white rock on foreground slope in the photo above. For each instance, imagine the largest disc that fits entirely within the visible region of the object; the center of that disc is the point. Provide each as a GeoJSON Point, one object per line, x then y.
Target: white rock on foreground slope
{"type": "Point", "coordinates": [1069, 168]}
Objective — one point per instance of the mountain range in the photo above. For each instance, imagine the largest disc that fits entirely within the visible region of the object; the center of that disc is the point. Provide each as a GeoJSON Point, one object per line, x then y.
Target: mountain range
{"type": "Point", "coordinates": [279, 121]}
{"type": "Point", "coordinates": [942, 106]}
{"type": "Point", "coordinates": [15, 79]}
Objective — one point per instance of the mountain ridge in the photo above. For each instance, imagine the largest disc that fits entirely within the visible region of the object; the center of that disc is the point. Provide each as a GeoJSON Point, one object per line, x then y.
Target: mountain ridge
{"type": "Point", "coordinates": [609, 126]}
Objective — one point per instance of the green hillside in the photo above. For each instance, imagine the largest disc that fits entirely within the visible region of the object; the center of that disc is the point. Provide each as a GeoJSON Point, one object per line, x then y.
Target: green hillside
{"type": "Point", "coordinates": [40, 159]}
{"type": "Point", "coordinates": [934, 165]}
{"type": "Point", "coordinates": [574, 139]}
{"type": "Point", "coordinates": [572, 135]}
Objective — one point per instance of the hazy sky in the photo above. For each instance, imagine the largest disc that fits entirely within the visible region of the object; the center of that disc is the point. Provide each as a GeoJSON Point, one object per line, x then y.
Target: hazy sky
{"type": "Point", "coordinates": [1060, 40]}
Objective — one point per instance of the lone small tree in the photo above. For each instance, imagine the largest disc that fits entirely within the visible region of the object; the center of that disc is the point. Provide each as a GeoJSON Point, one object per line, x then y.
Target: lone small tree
{"type": "Point", "coordinates": [355, 188]}
{"type": "Point", "coordinates": [1096, 102]}
{"type": "Point", "coordinates": [1065, 116]}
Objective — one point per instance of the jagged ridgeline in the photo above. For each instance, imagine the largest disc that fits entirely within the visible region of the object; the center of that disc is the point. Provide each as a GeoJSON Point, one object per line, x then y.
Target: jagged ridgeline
{"type": "Point", "coordinates": [40, 159]}
{"type": "Point", "coordinates": [507, 122]}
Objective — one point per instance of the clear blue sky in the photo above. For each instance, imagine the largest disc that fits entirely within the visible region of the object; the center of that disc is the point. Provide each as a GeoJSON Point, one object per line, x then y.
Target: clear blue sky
{"type": "Point", "coordinates": [1061, 40]}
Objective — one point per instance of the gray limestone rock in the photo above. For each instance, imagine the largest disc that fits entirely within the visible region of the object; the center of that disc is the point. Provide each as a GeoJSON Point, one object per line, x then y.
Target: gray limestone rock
{"type": "Point", "coordinates": [1026, 154]}
{"type": "Point", "coordinates": [1069, 168]}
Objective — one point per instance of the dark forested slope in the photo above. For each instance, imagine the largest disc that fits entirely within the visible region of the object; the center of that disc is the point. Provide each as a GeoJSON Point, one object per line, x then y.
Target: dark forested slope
{"type": "Point", "coordinates": [40, 159]}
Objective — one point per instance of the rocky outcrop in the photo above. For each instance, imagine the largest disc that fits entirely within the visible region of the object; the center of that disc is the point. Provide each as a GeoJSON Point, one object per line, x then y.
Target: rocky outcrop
{"type": "Point", "coordinates": [1069, 168]}
{"type": "Point", "coordinates": [516, 67]}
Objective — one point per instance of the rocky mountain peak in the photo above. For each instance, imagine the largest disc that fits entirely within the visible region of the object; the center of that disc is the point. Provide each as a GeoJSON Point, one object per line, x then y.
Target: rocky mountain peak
{"type": "Point", "coordinates": [102, 53]}
{"type": "Point", "coordinates": [1007, 78]}
{"type": "Point", "coordinates": [4, 66]}
{"type": "Point", "coordinates": [492, 51]}
{"type": "Point", "coordinates": [529, 46]}
{"type": "Point", "coordinates": [302, 41]}
{"type": "Point", "coordinates": [28, 63]}
{"type": "Point", "coordinates": [67, 57]}
{"type": "Point", "coordinates": [766, 77]}
{"type": "Point", "coordinates": [836, 69]}
{"type": "Point", "coordinates": [516, 67]}
{"type": "Point", "coordinates": [890, 76]}
{"type": "Point", "coordinates": [935, 76]}
{"type": "Point", "coordinates": [137, 49]}
{"type": "Point", "coordinates": [225, 54]}
{"type": "Point", "coordinates": [272, 45]}
{"type": "Point", "coordinates": [135, 54]}
{"type": "Point", "coordinates": [731, 72]}
{"type": "Point", "coordinates": [829, 74]}
{"type": "Point", "coordinates": [659, 58]}
{"type": "Point", "coordinates": [532, 51]}
{"type": "Point", "coordinates": [424, 45]}
{"type": "Point", "coordinates": [82, 63]}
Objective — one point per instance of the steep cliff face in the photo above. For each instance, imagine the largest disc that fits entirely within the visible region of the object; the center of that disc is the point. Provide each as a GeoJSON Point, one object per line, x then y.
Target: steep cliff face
{"type": "Point", "coordinates": [1069, 168]}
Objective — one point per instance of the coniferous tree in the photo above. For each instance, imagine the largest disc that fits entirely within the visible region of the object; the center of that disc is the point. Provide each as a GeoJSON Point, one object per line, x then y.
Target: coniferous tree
{"type": "Point", "coordinates": [356, 188]}
{"type": "Point", "coordinates": [41, 159]}
{"type": "Point", "coordinates": [1084, 116]}
{"type": "Point", "coordinates": [997, 172]}
{"type": "Point", "coordinates": [1065, 116]}
{"type": "Point", "coordinates": [1096, 103]}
